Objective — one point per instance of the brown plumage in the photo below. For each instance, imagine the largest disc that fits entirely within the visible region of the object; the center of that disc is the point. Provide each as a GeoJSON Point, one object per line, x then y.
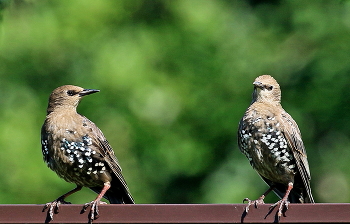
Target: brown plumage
{"type": "Point", "coordinates": [271, 140]}
{"type": "Point", "coordinates": [76, 149]}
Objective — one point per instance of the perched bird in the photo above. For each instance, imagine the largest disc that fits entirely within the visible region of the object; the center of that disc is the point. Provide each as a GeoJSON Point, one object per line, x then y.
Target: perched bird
{"type": "Point", "coordinates": [76, 149]}
{"type": "Point", "coordinates": [270, 139]}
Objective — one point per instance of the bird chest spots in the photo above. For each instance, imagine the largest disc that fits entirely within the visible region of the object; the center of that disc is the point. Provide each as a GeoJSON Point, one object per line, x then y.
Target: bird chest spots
{"type": "Point", "coordinates": [97, 168]}
{"type": "Point", "coordinates": [271, 118]}
{"type": "Point", "coordinates": [45, 149]}
{"type": "Point", "coordinates": [87, 140]}
{"type": "Point", "coordinates": [256, 120]}
{"type": "Point", "coordinates": [71, 132]}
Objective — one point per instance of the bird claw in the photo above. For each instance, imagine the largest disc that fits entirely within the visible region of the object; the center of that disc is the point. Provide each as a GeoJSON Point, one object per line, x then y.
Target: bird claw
{"type": "Point", "coordinates": [54, 207]}
{"type": "Point", "coordinates": [94, 212]}
{"type": "Point", "coordinates": [259, 201]}
{"type": "Point", "coordinates": [283, 207]}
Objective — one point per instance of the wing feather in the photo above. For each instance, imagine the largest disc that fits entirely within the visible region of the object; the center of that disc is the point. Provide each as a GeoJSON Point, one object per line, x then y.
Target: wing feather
{"type": "Point", "coordinates": [293, 137]}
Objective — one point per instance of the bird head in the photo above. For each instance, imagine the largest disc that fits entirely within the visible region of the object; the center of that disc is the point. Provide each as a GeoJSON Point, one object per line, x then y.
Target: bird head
{"type": "Point", "coordinates": [266, 89]}
{"type": "Point", "coordinates": [67, 97]}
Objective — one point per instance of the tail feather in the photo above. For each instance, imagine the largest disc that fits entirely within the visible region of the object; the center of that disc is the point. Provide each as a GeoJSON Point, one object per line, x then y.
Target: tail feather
{"type": "Point", "coordinates": [115, 196]}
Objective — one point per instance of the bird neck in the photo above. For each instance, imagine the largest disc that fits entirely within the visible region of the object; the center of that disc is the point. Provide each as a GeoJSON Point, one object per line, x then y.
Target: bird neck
{"type": "Point", "coordinates": [63, 120]}
{"type": "Point", "coordinates": [61, 109]}
{"type": "Point", "coordinates": [262, 99]}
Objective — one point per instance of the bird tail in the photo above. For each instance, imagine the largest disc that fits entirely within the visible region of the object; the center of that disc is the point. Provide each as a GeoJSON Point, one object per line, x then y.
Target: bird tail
{"type": "Point", "coordinates": [115, 199]}
{"type": "Point", "coordinates": [115, 196]}
{"type": "Point", "coordinates": [297, 195]}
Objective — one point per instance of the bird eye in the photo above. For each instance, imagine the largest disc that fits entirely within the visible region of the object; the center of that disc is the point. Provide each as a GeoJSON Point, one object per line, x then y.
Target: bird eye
{"type": "Point", "coordinates": [71, 92]}
{"type": "Point", "coordinates": [269, 88]}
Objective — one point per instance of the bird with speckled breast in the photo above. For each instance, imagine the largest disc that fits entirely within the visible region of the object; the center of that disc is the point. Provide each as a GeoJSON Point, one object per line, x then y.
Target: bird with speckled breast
{"type": "Point", "coordinates": [271, 140]}
{"type": "Point", "coordinates": [76, 149]}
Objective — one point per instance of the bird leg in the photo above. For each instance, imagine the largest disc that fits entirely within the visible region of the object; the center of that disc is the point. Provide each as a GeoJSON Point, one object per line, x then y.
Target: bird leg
{"type": "Point", "coordinates": [94, 204]}
{"type": "Point", "coordinates": [54, 205]}
{"type": "Point", "coordinates": [259, 201]}
{"type": "Point", "coordinates": [283, 202]}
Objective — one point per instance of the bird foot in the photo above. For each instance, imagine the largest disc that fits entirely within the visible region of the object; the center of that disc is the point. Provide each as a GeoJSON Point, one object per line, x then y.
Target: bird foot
{"type": "Point", "coordinates": [259, 201]}
{"type": "Point", "coordinates": [53, 207]}
{"type": "Point", "coordinates": [283, 207]}
{"type": "Point", "coordinates": [94, 209]}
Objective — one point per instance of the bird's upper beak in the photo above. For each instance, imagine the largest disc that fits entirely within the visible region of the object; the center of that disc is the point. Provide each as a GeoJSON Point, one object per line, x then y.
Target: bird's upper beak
{"type": "Point", "coordinates": [88, 91]}
{"type": "Point", "coordinates": [258, 84]}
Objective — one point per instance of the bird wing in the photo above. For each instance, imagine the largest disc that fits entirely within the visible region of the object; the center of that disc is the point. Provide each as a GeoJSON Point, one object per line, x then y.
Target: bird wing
{"type": "Point", "coordinates": [293, 137]}
{"type": "Point", "coordinates": [109, 156]}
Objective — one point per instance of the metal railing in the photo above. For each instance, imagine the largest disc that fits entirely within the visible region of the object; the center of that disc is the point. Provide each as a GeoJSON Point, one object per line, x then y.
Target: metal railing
{"type": "Point", "coordinates": [179, 213]}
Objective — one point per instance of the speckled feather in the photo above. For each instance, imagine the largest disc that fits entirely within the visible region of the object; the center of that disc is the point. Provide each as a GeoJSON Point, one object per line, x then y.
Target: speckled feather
{"type": "Point", "coordinates": [271, 140]}
{"type": "Point", "coordinates": [76, 149]}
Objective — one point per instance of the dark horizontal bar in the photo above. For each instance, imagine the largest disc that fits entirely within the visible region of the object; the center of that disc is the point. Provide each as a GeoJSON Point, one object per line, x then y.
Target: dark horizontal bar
{"type": "Point", "coordinates": [179, 213]}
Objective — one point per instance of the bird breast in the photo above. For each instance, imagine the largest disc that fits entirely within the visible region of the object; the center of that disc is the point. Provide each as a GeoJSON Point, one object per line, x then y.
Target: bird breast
{"type": "Point", "coordinates": [263, 142]}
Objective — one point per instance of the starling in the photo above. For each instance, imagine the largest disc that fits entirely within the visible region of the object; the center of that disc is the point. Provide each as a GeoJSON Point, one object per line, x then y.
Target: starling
{"type": "Point", "coordinates": [76, 149]}
{"type": "Point", "coordinates": [270, 139]}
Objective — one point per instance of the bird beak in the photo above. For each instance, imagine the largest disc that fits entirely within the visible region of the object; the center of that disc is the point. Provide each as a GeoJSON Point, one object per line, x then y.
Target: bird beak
{"type": "Point", "coordinates": [88, 91]}
{"type": "Point", "coordinates": [258, 84]}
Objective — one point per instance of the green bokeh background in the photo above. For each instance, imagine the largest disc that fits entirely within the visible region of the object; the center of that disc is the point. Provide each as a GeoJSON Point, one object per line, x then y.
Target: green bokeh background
{"type": "Point", "coordinates": [175, 79]}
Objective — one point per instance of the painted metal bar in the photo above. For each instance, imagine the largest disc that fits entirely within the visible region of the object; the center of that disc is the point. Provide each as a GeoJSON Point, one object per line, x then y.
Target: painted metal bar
{"type": "Point", "coordinates": [179, 213]}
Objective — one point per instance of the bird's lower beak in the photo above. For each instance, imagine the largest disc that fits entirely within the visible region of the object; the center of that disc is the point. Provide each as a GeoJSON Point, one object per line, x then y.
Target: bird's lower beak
{"type": "Point", "coordinates": [88, 91]}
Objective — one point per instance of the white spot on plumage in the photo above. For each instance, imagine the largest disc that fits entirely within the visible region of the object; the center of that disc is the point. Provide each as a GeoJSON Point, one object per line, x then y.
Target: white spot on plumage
{"type": "Point", "coordinates": [284, 158]}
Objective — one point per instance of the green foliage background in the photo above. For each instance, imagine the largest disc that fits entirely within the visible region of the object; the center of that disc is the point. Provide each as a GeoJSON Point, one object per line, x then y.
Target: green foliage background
{"type": "Point", "coordinates": [175, 79]}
